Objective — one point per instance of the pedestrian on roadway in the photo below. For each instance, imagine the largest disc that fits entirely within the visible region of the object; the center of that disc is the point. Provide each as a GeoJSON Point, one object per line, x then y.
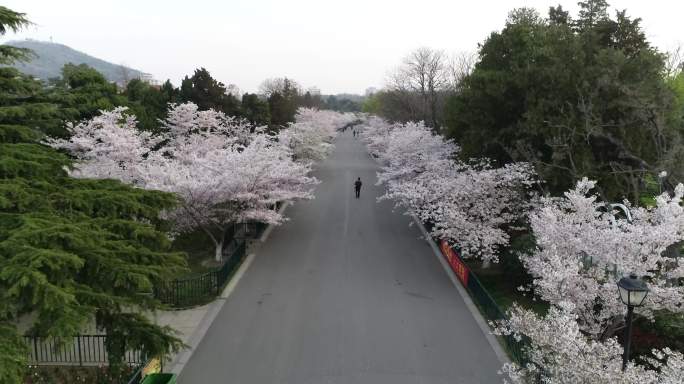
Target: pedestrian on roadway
{"type": "Point", "coordinates": [357, 187]}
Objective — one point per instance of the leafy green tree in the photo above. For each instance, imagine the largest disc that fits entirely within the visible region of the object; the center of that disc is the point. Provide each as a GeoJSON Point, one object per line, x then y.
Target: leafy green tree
{"type": "Point", "coordinates": [14, 21]}
{"type": "Point", "coordinates": [312, 99]}
{"type": "Point", "coordinates": [342, 104]}
{"type": "Point", "coordinates": [82, 92]}
{"type": "Point", "coordinates": [255, 110]}
{"type": "Point", "coordinates": [392, 105]}
{"type": "Point", "coordinates": [282, 110]}
{"type": "Point", "coordinates": [208, 93]}
{"type": "Point", "coordinates": [557, 15]}
{"type": "Point", "coordinates": [372, 104]}
{"type": "Point", "coordinates": [171, 94]}
{"type": "Point", "coordinates": [73, 251]}
{"type": "Point", "coordinates": [675, 120]}
{"type": "Point", "coordinates": [583, 97]}
{"type": "Point", "coordinates": [147, 103]}
{"type": "Point", "coordinates": [591, 14]}
{"type": "Point", "coordinates": [308, 100]}
{"type": "Point", "coordinates": [283, 96]}
{"type": "Point", "coordinates": [41, 113]}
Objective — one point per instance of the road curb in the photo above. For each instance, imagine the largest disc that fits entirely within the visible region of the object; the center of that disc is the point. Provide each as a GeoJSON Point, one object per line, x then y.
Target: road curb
{"type": "Point", "coordinates": [475, 312]}
{"type": "Point", "coordinates": [269, 229]}
{"type": "Point", "coordinates": [481, 322]}
{"type": "Point", "coordinates": [181, 359]}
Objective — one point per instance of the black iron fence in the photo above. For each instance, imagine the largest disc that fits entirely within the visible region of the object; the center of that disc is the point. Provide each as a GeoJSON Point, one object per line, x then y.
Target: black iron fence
{"type": "Point", "coordinates": [228, 268]}
{"type": "Point", "coordinates": [250, 230]}
{"type": "Point", "coordinates": [79, 350]}
{"type": "Point", "coordinates": [86, 350]}
{"type": "Point", "coordinates": [201, 288]}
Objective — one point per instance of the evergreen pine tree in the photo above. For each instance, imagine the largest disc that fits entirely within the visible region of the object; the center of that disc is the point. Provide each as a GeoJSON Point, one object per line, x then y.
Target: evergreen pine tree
{"type": "Point", "coordinates": [72, 251]}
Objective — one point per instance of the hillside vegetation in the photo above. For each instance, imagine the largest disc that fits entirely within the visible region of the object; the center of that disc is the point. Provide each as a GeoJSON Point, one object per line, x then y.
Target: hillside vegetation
{"type": "Point", "coordinates": [49, 58]}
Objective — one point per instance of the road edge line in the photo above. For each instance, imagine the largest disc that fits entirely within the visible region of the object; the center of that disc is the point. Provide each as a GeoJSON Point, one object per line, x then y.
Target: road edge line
{"type": "Point", "coordinates": [182, 358]}
{"type": "Point", "coordinates": [479, 319]}
{"type": "Point", "coordinates": [474, 311]}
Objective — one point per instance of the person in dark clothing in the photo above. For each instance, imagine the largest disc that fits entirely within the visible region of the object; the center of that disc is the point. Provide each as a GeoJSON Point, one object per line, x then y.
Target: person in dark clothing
{"type": "Point", "coordinates": [357, 187]}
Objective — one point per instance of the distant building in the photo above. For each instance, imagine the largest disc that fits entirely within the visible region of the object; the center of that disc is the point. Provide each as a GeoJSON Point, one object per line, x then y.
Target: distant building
{"type": "Point", "coordinates": [149, 79]}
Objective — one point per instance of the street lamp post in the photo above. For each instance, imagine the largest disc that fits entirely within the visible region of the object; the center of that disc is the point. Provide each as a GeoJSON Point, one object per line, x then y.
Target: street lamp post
{"type": "Point", "coordinates": [633, 291]}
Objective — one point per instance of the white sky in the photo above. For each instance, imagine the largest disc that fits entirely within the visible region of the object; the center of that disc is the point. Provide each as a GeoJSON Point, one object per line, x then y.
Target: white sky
{"type": "Point", "coordinates": [338, 46]}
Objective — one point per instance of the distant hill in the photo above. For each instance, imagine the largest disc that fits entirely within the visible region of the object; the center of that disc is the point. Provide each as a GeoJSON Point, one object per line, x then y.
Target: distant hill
{"type": "Point", "coordinates": [51, 57]}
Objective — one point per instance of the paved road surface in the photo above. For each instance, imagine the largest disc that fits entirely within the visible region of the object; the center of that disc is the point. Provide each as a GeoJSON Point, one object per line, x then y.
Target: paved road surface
{"type": "Point", "coordinates": [344, 293]}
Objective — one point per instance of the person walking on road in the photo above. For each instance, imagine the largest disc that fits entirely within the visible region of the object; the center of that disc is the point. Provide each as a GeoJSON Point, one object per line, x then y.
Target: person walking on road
{"type": "Point", "coordinates": [357, 187]}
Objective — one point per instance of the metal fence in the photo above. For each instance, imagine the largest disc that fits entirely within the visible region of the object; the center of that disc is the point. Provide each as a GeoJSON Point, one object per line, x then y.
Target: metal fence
{"type": "Point", "coordinates": [250, 230]}
{"type": "Point", "coordinates": [201, 288]}
{"type": "Point", "coordinates": [493, 312]}
{"type": "Point", "coordinates": [137, 376]}
{"type": "Point", "coordinates": [79, 350]}
{"type": "Point", "coordinates": [490, 309]}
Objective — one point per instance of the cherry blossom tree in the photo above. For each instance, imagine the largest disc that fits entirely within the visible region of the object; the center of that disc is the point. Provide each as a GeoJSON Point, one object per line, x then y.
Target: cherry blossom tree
{"type": "Point", "coordinates": [559, 352]}
{"type": "Point", "coordinates": [584, 246]}
{"type": "Point", "coordinates": [185, 120]}
{"type": "Point", "coordinates": [222, 173]}
{"type": "Point", "coordinates": [375, 132]}
{"type": "Point", "coordinates": [310, 137]}
{"type": "Point", "coordinates": [469, 204]}
{"type": "Point", "coordinates": [108, 146]}
{"type": "Point", "coordinates": [410, 149]}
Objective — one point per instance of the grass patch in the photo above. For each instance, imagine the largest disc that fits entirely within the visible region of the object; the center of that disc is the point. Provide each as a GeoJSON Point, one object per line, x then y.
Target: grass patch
{"type": "Point", "coordinates": [665, 330]}
{"type": "Point", "coordinates": [504, 288]}
{"type": "Point", "coordinates": [74, 374]}
{"type": "Point", "coordinates": [200, 250]}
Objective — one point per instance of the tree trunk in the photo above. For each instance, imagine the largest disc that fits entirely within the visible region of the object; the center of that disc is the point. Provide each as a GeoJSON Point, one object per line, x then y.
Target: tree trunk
{"type": "Point", "coordinates": [219, 251]}
{"type": "Point", "coordinates": [615, 324]}
{"type": "Point", "coordinates": [114, 343]}
{"type": "Point", "coordinates": [219, 247]}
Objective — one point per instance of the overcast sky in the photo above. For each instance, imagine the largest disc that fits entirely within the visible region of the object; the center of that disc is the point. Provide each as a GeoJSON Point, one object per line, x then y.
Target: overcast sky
{"type": "Point", "coordinates": [338, 46]}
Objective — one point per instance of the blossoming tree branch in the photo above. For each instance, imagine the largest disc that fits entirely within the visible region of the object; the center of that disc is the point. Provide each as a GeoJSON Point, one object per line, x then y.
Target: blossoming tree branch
{"type": "Point", "coordinates": [223, 170]}
{"type": "Point", "coordinates": [583, 247]}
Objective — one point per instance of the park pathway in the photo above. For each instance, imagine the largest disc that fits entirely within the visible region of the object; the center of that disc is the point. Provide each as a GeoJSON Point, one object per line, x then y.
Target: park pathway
{"type": "Point", "coordinates": [345, 292]}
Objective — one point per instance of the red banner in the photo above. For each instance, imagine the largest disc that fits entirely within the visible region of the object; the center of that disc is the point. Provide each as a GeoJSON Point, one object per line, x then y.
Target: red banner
{"type": "Point", "coordinates": [457, 265]}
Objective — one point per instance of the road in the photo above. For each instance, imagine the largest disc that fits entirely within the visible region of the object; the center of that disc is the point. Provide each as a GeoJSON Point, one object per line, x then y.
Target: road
{"type": "Point", "coordinates": [345, 292]}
